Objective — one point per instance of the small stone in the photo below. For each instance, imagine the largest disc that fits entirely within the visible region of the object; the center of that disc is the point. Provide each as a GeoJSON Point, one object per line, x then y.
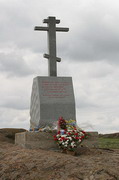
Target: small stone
{"type": "Point", "coordinates": [91, 177]}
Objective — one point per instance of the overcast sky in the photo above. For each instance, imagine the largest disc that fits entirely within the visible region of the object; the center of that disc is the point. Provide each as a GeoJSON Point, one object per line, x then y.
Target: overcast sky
{"type": "Point", "coordinates": [89, 53]}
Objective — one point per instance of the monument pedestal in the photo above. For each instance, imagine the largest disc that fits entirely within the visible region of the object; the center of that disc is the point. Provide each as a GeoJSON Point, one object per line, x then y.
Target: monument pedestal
{"type": "Point", "coordinates": [45, 140]}
{"type": "Point", "coordinates": [51, 98]}
{"type": "Point", "coordinates": [36, 140]}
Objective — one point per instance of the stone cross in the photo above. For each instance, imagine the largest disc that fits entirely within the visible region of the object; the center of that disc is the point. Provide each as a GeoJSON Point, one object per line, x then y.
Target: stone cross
{"type": "Point", "coordinates": [51, 29]}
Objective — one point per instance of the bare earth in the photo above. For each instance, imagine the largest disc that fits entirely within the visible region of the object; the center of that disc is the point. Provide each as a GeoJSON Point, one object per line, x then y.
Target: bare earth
{"type": "Point", "coordinates": [19, 163]}
{"type": "Point", "coordinates": [89, 164]}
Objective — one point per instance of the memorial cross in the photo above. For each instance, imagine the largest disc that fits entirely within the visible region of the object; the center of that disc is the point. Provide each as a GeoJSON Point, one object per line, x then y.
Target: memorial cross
{"type": "Point", "coordinates": [51, 29]}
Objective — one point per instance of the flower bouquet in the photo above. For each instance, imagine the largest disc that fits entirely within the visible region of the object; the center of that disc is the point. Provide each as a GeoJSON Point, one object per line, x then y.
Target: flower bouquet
{"type": "Point", "coordinates": [68, 136]}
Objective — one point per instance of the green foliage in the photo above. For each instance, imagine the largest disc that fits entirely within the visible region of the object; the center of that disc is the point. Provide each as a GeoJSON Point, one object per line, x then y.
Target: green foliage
{"type": "Point", "coordinates": [111, 143]}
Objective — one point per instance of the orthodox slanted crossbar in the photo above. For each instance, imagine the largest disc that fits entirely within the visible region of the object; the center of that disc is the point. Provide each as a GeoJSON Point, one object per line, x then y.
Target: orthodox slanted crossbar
{"type": "Point", "coordinates": [51, 29]}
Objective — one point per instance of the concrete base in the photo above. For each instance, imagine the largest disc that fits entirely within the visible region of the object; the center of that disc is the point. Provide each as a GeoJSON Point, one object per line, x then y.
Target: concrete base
{"type": "Point", "coordinates": [45, 140]}
{"type": "Point", "coordinates": [36, 140]}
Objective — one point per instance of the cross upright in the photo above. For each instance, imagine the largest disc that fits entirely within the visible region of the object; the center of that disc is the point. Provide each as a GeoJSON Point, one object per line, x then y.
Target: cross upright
{"type": "Point", "coordinates": [52, 56]}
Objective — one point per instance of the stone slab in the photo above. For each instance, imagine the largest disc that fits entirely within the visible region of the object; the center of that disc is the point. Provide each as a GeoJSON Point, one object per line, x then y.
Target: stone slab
{"type": "Point", "coordinates": [45, 140]}
{"type": "Point", "coordinates": [51, 98]}
{"type": "Point", "coordinates": [36, 140]}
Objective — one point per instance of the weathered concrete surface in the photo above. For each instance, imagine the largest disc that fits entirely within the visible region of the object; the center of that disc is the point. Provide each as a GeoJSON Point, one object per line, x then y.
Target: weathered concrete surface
{"type": "Point", "coordinates": [51, 98]}
{"type": "Point", "coordinates": [45, 140]}
{"type": "Point", "coordinates": [36, 140]}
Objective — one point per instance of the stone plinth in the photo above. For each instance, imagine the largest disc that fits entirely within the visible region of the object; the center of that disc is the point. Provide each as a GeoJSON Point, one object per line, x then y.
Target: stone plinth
{"type": "Point", "coordinates": [45, 140]}
{"type": "Point", "coordinates": [51, 98]}
{"type": "Point", "coordinates": [36, 140]}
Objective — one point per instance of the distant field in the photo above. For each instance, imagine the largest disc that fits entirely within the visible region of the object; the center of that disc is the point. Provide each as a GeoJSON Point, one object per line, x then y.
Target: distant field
{"type": "Point", "coordinates": [111, 143]}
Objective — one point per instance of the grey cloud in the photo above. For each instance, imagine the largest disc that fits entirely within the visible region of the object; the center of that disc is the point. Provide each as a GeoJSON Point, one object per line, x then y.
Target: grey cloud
{"type": "Point", "coordinates": [14, 65]}
{"type": "Point", "coordinates": [14, 118]}
{"type": "Point", "coordinates": [15, 103]}
{"type": "Point", "coordinates": [94, 39]}
{"type": "Point", "coordinates": [17, 25]}
{"type": "Point", "coordinates": [93, 35]}
{"type": "Point", "coordinates": [83, 103]}
{"type": "Point", "coordinates": [91, 49]}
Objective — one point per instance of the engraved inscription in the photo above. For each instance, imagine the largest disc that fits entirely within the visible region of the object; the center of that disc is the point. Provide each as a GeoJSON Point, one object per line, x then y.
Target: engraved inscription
{"type": "Point", "coordinates": [55, 89]}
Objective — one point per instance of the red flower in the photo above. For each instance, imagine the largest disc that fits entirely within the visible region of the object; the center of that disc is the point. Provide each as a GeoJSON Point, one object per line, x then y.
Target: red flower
{"type": "Point", "coordinates": [62, 123]}
{"type": "Point", "coordinates": [62, 138]}
{"type": "Point", "coordinates": [60, 118]}
{"type": "Point", "coordinates": [83, 132]}
{"type": "Point", "coordinates": [82, 137]}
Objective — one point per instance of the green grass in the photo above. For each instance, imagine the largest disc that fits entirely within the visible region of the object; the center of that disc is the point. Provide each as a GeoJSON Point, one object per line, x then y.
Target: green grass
{"type": "Point", "coordinates": [111, 143]}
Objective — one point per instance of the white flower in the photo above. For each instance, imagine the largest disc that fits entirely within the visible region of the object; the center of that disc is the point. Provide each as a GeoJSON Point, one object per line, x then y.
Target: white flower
{"type": "Point", "coordinates": [69, 138]}
{"type": "Point", "coordinates": [66, 142]}
{"type": "Point", "coordinates": [73, 144]}
{"type": "Point", "coordinates": [65, 145]}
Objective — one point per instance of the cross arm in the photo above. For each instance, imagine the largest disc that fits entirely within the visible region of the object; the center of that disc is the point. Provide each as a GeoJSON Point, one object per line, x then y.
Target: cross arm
{"type": "Point", "coordinates": [40, 28]}
{"type": "Point", "coordinates": [57, 21]}
{"type": "Point", "coordinates": [48, 56]}
{"type": "Point", "coordinates": [62, 29]}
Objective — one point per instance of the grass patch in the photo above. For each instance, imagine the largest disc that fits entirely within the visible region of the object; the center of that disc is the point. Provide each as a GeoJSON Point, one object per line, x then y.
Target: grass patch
{"type": "Point", "coordinates": [111, 143]}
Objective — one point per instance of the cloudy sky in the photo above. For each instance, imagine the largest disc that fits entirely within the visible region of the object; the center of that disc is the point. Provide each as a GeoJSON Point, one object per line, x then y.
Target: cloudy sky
{"type": "Point", "coordinates": [89, 52]}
